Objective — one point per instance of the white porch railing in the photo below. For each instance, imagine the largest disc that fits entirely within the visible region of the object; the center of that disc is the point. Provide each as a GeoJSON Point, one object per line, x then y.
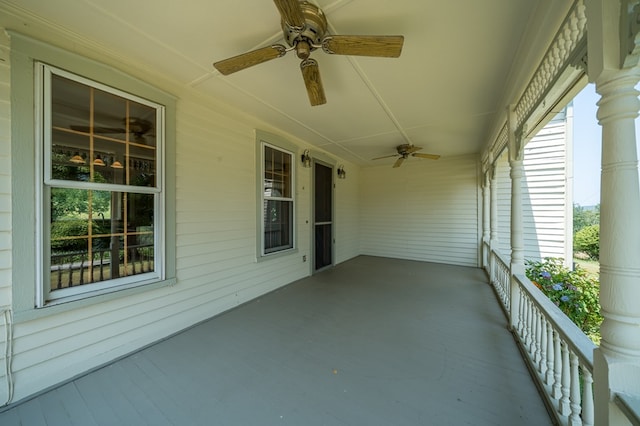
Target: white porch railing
{"type": "Point", "coordinates": [501, 279]}
{"type": "Point", "coordinates": [486, 256]}
{"type": "Point", "coordinates": [558, 353]}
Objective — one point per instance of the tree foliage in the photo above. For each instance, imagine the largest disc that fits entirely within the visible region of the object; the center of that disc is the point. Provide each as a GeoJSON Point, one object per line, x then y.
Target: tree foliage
{"type": "Point", "coordinates": [586, 230]}
{"type": "Point", "coordinates": [587, 240]}
{"type": "Point", "coordinates": [585, 217]}
{"type": "Point", "coordinates": [67, 203]}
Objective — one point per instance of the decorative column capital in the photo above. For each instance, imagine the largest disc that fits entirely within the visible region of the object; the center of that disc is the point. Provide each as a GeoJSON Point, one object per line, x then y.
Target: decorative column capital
{"type": "Point", "coordinates": [516, 136]}
{"type": "Point", "coordinates": [619, 96]}
{"type": "Point", "coordinates": [613, 36]}
{"type": "Point", "coordinates": [491, 173]}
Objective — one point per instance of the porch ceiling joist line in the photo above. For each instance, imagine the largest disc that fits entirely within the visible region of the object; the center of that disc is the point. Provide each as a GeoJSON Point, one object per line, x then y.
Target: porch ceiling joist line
{"type": "Point", "coordinates": [567, 53]}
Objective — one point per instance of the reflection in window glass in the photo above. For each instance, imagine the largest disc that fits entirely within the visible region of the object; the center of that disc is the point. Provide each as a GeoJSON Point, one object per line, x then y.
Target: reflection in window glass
{"type": "Point", "coordinates": [278, 200]}
{"type": "Point", "coordinates": [99, 136]}
{"type": "Point", "coordinates": [101, 184]}
{"type": "Point", "coordinates": [90, 241]}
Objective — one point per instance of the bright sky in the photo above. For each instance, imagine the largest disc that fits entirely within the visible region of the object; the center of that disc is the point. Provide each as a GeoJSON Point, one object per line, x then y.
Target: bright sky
{"type": "Point", "coordinates": [586, 148]}
{"type": "Point", "coordinates": [587, 136]}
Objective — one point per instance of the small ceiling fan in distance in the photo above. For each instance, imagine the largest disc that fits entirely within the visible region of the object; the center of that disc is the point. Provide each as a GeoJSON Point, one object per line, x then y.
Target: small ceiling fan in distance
{"type": "Point", "coordinates": [406, 150]}
{"type": "Point", "coordinates": [305, 29]}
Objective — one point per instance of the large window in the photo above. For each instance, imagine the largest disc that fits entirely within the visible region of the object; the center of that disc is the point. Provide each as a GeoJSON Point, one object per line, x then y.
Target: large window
{"type": "Point", "coordinates": [277, 199]}
{"type": "Point", "coordinates": [101, 188]}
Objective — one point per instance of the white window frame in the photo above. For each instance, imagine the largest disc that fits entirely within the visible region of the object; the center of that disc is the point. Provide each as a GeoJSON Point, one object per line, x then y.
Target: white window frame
{"type": "Point", "coordinates": [264, 198]}
{"type": "Point", "coordinates": [44, 295]}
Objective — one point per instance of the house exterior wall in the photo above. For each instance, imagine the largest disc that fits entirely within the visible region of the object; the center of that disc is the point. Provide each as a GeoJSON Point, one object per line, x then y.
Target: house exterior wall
{"type": "Point", "coordinates": [425, 210]}
{"type": "Point", "coordinates": [216, 263]}
{"type": "Point", "coordinates": [546, 192]}
{"type": "Point", "coordinates": [5, 205]}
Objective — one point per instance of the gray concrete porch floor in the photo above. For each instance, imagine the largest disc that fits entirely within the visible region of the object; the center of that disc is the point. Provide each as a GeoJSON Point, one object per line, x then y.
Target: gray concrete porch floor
{"type": "Point", "coordinates": [373, 341]}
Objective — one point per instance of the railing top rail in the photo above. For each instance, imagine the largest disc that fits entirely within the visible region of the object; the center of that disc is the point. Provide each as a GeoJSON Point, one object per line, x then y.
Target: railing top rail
{"type": "Point", "coordinates": [500, 258]}
{"type": "Point", "coordinates": [581, 345]}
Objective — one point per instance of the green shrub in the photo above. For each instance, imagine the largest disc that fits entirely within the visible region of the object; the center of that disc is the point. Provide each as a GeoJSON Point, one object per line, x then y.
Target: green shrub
{"type": "Point", "coordinates": [64, 231]}
{"type": "Point", "coordinates": [574, 292]}
{"type": "Point", "coordinates": [587, 240]}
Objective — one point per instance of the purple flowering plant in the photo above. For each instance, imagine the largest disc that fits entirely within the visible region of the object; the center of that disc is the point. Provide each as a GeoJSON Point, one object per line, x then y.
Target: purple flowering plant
{"type": "Point", "coordinates": [574, 292]}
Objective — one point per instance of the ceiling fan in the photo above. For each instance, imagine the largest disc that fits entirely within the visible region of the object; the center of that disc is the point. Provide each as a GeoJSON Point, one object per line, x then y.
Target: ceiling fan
{"type": "Point", "coordinates": [406, 150]}
{"type": "Point", "coordinates": [305, 30]}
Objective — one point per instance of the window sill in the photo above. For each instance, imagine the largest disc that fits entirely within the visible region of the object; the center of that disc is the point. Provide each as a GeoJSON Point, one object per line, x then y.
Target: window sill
{"type": "Point", "coordinates": [275, 255]}
{"type": "Point", "coordinates": [80, 301]}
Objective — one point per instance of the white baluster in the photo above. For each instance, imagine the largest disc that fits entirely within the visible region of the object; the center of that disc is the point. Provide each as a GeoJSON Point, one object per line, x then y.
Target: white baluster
{"type": "Point", "coordinates": [557, 367]}
{"type": "Point", "coordinates": [538, 334]}
{"type": "Point", "coordinates": [524, 303]}
{"type": "Point", "coordinates": [525, 334]}
{"type": "Point", "coordinates": [534, 334]}
{"type": "Point", "coordinates": [587, 398]}
{"type": "Point", "coordinates": [542, 365]}
{"type": "Point", "coordinates": [501, 278]}
{"type": "Point", "coordinates": [550, 355]}
{"type": "Point", "coordinates": [508, 287]}
{"type": "Point", "coordinates": [530, 330]}
{"type": "Point", "coordinates": [575, 404]}
{"type": "Point", "coordinates": [566, 381]}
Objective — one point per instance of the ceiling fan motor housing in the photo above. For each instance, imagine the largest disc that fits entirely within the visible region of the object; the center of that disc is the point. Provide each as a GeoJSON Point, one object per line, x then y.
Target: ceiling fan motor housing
{"type": "Point", "coordinates": [314, 29]}
{"type": "Point", "coordinates": [404, 149]}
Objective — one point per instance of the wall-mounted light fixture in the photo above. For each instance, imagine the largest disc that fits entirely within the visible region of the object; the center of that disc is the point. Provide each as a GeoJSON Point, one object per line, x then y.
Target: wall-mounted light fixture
{"type": "Point", "coordinates": [116, 165]}
{"type": "Point", "coordinates": [341, 173]}
{"type": "Point", "coordinates": [306, 159]}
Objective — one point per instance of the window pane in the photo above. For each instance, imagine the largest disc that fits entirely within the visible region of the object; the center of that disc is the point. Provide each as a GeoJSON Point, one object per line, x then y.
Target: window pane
{"type": "Point", "coordinates": [70, 102]}
{"type": "Point", "coordinates": [278, 225]}
{"type": "Point", "coordinates": [277, 173]}
{"type": "Point", "coordinates": [102, 137]}
{"type": "Point", "coordinates": [109, 115]}
{"type": "Point", "coordinates": [69, 156]}
{"type": "Point", "coordinates": [90, 241]}
{"type": "Point", "coordinates": [141, 167]}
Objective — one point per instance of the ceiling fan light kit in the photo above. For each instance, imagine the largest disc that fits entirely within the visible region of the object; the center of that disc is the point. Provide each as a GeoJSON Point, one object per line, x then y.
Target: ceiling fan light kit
{"type": "Point", "coordinates": [304, 27]}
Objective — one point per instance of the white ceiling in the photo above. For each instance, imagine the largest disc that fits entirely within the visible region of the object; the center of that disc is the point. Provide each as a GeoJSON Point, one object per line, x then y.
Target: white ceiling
{"type": "Point", "coordinates": [442, 94]}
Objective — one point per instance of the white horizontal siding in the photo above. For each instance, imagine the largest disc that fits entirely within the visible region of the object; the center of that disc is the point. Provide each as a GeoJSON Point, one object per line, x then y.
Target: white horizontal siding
{"type": "Point", "coordinates": [544, 195]}
{"type": "Point", "coordinates": [5, 205]}
{"type": "Point", "coordinates": [424, 210]}
{"type": "Point", "coordinates": [544, 192]}
{"type": "Point", "coordinates": [215, 247]}
{"type": "Point", "coordinates": [347, 211]}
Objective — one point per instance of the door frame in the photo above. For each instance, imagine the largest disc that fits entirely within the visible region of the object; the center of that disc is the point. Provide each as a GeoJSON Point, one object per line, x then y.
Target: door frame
{"type": "Point", "coordinates": [332, 166]}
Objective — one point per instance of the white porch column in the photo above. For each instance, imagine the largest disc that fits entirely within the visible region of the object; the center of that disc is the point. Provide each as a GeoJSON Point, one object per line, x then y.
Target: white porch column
{"type": "Point", "coordinates": [517, 239]}
{"type": "Point", "coordinates": [613, 65]}
{"type": "Point", "coordinates": [617, 361]}
{"type": "Point", "coordinates": [516, 156]}
{"type": "Point", "coordinates": [486, 200]}
{"type": "Point", "coordinates": [493, 239]}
